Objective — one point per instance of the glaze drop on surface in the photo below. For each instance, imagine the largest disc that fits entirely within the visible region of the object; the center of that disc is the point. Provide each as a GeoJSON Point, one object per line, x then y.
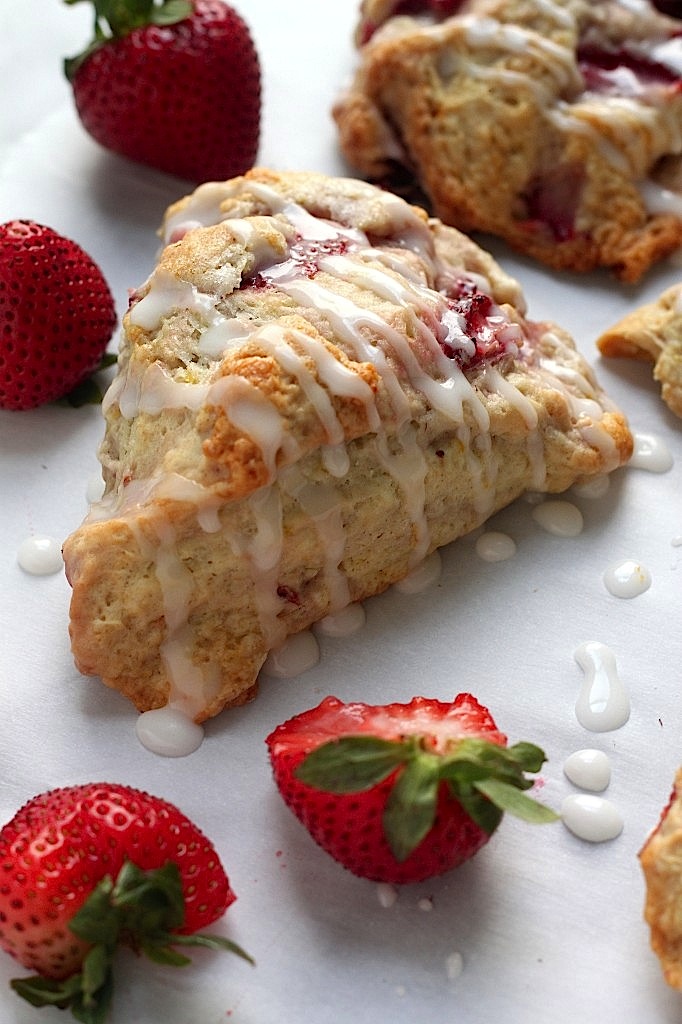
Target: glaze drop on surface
{"type": "Point", "coordinates": [590, 769]}
{"type": "Point", "coordinates": [422, 576]}
{"type": "Point", "coordinates": [493, 546]}
{"type": "Point", "coordinates": [169, 732]}
{"type": "Point", "coordinates": [454, 965]}
{"type": "Point", "coordinates": [591, 817]}
{"type": "Point", "coordinates": [627, 579]}
{"type": "Point", "coordinates": [297, 654]}
{"type": "Point", "coordinates": [345, 622]}
{"type": "Point", "coordinates": [595, 488]}
{"type": "Point", "coordinates": [558, 517]}
{"type": "Point", "coordinates": [387, 894]}
{"type": "Point", "coordinates": [603, 703]}
{"type": "Point", "coordinates": [651, 453]}
{"type": "Point", "coordinates": [40, 555]}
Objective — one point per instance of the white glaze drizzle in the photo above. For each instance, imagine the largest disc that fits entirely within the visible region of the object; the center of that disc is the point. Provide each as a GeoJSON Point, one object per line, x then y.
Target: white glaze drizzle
{"type": "Point", "coordinates": [320, 376]}
{"type": "Point", "coordinates": [40, 555]}
{"type": "Point", "coordinates": [422, 576]}
{"type": "Point", "coordinates": [651, 453]}
{"type": "Point", "coordinates": [603, 702]}
{"type": "Point", "coordinates": [592, 818]}
{"type": "Point", "coordinates": [559, 517]}
{"type": "Point", "coordinates": [627, 579]}
{"type": "Point", "coordinates": [588, 768]}
{"type": "Point", "coordinates": [493, 546]}
{"type": "Point", "coordinates": [295, 655]}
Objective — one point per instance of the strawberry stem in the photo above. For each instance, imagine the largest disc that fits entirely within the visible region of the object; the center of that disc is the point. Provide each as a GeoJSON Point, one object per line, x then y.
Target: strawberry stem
{"type": "Point", "coordinates": [115, 19]}
{"type": "Point", "coordinates": [141, 909]}
{"type": "Point", "coordinates": [487, 779]}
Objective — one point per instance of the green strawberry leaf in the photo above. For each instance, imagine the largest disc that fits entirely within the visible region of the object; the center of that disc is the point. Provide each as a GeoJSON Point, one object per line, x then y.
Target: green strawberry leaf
{"type": "Point", "coordinates": [509, 798]}
{"type": "Point", "coordinates": [165, 956]}
{"type": "Point", "coordinates": [140, 909]}
{"type": "Point", "coordinates": [411, 807]}
{"type": "Point", "coordinates": [529, 757]}
{"type": "Point", "coordinates": [115, 19]}
{"type": "Point", "coordinates": [481, 810]}
{"type": "Point", "coordinates": [171, 12]}
{"type": "Point", "coordinates": [352, 763]}
{"type": "Point", "coordinates": [39, 991]}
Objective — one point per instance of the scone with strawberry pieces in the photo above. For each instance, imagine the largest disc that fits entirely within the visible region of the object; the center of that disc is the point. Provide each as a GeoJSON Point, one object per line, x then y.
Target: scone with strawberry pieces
{"type": "Point", "coordinates": [661, 862]}
{"type": "Point", "coordinates": [318, 386]}
{"type": "Point", "coordinates": [554, 125]}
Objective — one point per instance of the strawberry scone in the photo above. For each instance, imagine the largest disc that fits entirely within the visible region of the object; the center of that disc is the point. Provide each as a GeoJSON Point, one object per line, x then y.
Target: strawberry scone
{"type": "Point", "coordinates": [661, 862]}
{"type": "Point", "coordinates": [653, 334]}
{"type": "Point", "coordinates": [318, 386]}
{"type": "Point", "coordinates": [554, 125]}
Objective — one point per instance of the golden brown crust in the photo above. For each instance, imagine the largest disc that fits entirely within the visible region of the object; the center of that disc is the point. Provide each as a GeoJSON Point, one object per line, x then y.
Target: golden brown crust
{"type": "Point", "coordinates": [489, 114]}
{"type": "Point", "coordinates": [653, 333]}
{"type": "Point", "coordinates": [661, 862]}
{"type": "Point", "coordinates": [287, 433]}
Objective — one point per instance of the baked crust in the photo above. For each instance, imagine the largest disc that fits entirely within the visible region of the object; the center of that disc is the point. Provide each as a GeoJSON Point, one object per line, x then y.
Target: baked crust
{"type": "Point", "coordinates": [318, 386]}
{"type": "Point", "coordinates": [653, 333]}
{"type": "Point", "coordinates": [554, 124]}
{"type": "Point", "coordinates": [661, 861]}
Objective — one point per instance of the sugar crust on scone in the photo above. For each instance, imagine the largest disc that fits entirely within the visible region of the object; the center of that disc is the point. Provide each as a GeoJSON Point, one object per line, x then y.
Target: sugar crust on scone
{"type": "Point", "coordinates": [554, 124]}
{"type": "Point", "coordinates": [318, 386]}
{"type": "Point", "coordinates": [661, 862]}
{"type": "Point", "coordinates": [653, 333]}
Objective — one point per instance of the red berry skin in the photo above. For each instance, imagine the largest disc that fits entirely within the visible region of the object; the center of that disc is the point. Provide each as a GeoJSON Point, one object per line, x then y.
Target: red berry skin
{"type": "Point", "coordinates": [57, 315]}
{"type": "Point", "coordinates": [183, 98]}
{"type": "Point", "coordinates": [62, 843]}
{"type": "Point", "coordinates": [348, 826]}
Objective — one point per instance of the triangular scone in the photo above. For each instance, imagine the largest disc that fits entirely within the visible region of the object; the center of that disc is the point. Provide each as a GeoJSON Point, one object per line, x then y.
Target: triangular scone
{"type": "Point", "coordinates": [653, 333]}
{"type": "Point", "coordinates": [554, 124]}
{"type": "Point", "coordinates": [316, 390]}
{"type": "Point", "coordinates": [661, 862]}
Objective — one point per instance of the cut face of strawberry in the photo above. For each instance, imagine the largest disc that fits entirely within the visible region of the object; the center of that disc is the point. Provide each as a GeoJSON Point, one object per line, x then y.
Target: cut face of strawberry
{"type": "Point", "coordinates": [402, 792]}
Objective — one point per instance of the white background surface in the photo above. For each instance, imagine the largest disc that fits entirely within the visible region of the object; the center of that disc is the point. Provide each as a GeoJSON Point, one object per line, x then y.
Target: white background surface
{"type": "Point", "coordinates": [549, 928]}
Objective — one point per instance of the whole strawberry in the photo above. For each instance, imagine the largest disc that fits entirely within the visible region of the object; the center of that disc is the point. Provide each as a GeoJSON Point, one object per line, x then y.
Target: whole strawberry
{"type": "Point", "coordinates": [402, 792]}
{"type": "Point", "coordinates": [57, 315]}
{"type": "Point", "coordinates": [88, 867]}
{"type": "Point", "coordinates": [174, 84]}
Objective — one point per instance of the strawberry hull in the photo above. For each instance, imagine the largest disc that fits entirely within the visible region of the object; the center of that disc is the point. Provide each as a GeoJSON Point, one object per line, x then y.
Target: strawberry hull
{"type": "Point", "coordinates": [61, 844]}
{"type": "Point", "coordinates": [398, 793]}
{"type": "Point", "coordinates": [346, 828]}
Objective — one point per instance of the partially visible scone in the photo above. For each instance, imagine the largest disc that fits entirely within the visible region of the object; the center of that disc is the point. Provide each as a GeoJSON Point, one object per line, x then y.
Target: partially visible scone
{"type": "Point", "coordinates": [661, 860]}
{"type": "Point", "coordinates": [554, 124]}
{"type": "Point", "coordinates": [653, 333]}
{"type": "Point", "coordinates": [318, 386]}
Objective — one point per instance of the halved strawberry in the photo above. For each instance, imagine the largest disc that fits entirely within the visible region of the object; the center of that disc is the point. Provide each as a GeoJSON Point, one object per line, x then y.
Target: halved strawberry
{"type": "Point", "coordinates": [86, 868]}
{"type": "Point", "coordinates": [402, 792]}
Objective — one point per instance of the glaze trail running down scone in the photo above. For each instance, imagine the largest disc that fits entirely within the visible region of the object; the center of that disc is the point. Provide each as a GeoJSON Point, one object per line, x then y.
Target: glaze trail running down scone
{"type": "Point", "coordinates": [554, 125]}
{"type": "Point", "coordinates": [318, 386]}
